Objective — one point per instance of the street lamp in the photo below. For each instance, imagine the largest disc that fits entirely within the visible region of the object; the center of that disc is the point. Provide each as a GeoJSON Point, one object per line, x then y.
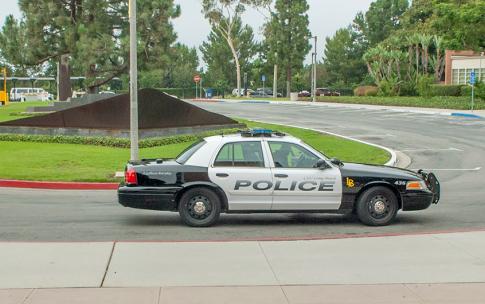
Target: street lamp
{"type": "Point", "coordinates": [314, 88]}
{"type": "Point", "coordinates": [133, 83]}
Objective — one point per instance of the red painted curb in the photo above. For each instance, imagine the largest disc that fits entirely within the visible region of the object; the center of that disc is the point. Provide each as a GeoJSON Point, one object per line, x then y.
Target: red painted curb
{"type": "Point", "coordinates": [6, 183]}
{"type": "Point", "coordinates": [276, 239]}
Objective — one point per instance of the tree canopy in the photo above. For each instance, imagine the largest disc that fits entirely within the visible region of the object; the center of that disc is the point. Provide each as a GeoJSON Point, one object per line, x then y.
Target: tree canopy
{"type": "Point", "coordinates": [287, 36]}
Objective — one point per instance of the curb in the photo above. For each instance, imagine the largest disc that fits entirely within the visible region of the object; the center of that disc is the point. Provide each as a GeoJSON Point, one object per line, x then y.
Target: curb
{"type": "Point", "coordinates": [467, 115]}
{"type": "Point", "coordinates": [207, 100]}
{"type": "Point", "coordinates": [7, 183]}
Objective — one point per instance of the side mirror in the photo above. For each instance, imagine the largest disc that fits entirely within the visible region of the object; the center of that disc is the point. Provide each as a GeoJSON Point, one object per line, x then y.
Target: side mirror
{"type": "Point", "coordinates": [337, 162]}
{"type": "Point", "coordinates": [321, 164]}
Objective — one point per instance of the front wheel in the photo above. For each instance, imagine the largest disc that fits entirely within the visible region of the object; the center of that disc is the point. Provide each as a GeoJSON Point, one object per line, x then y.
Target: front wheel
{"type": "Point", "coordinates": [199, 207]}
{"type": "Point", "coordinates": [377, 206]}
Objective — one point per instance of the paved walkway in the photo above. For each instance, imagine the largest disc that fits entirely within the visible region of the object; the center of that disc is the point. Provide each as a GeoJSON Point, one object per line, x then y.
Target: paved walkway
{"type": "Point", "coordinates": [317, 294]}
{"type": "Point", "coordinates": [411, 259]}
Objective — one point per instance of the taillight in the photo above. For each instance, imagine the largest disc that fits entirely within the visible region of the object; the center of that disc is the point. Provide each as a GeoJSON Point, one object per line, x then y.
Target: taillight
{"type": "Point", "coordinates": [130, 177]}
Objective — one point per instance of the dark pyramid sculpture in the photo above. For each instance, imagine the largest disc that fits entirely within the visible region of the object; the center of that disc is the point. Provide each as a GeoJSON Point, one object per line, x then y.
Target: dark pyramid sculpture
{"type": "Point", "coordinates": [157, 110]}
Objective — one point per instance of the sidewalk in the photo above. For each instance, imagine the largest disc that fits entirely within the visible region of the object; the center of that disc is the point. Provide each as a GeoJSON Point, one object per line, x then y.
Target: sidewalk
{"type": "Point", "coordinates": [410, 259]}
{"type": "Point", "coordinates": [318, 294]}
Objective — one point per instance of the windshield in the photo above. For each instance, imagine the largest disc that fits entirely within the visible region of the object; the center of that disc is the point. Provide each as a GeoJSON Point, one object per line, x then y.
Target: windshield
{"type": "Point", "coordinates": [187, 153]}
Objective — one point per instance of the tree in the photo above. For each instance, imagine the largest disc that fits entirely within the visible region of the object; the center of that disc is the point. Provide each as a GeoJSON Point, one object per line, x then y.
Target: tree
{"type": "Point", "coordinates": [287, 36]}
{"type": "Point", "coordinates": [219, 57]}
{"type": "Point", "coordinates": [343, 58]}
{"type": "Point", "coordinates": [223, 16]}
{"type": "Point", "coordinates": [93, 35]}
{"type": "Point", "coordinates": [382, 18]}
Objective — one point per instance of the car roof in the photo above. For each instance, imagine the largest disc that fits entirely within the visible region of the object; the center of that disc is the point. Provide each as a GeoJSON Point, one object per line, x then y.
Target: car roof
{"type": "Point", "coordinates": [239, 137]}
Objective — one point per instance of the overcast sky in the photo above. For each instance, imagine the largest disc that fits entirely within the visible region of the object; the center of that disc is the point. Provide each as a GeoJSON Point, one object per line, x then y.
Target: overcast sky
{"type": "Point", "coordinates": [326, 16]}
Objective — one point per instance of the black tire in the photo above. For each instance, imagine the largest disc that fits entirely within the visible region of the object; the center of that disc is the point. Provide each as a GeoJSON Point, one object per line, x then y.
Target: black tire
{"type": "Point", "coordinates": [377, 206]}
{"type": "Point", "coordinates": [199, 207]}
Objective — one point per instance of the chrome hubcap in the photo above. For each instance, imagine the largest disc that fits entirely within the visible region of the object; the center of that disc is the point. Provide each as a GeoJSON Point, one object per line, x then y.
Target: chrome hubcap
{"type": "Point", "coordinates": [379, 207]}
{"type": "Point", "coordinates": [199, 207]}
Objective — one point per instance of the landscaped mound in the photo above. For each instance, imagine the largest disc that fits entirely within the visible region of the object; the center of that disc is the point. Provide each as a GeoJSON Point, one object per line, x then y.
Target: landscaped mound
{"type": "Point", "coordinates": [156, 110]}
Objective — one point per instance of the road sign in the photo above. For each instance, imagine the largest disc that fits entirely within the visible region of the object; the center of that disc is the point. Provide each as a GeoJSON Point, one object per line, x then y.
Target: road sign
{"type": "Point", "coordinates": [197, 78]}
{"type": "Point", "coordinates": [472, 78]}
{"type": "Point", "coordinates": [263, 78]}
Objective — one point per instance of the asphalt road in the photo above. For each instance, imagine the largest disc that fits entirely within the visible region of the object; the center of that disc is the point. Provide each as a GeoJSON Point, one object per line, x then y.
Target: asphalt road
{"type": "Point", "coordinates": [453, 147]}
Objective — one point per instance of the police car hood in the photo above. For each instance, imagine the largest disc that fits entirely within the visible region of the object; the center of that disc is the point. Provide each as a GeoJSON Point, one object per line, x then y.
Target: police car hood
{"type": "Point", "coordinates": [353, 169]}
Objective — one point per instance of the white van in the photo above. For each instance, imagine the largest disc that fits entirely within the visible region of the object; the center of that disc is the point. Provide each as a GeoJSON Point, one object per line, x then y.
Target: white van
{"type": "Point", "coordinates": [29, 94]}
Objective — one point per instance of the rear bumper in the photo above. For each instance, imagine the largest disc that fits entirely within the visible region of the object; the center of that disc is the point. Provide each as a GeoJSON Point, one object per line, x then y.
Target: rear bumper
{"type": "Point", "coordinates": [146, 198]}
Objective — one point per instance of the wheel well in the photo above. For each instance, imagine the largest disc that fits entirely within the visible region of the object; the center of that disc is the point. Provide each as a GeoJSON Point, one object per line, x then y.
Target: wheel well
{"type": "Point", "coordinates": [379, 184]}
{"type": "Point", "coordinates": [216, 190]}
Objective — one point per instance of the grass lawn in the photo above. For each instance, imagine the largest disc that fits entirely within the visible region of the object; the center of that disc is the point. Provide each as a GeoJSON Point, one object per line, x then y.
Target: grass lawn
{"type": "Point", "coordinates": [68, 162]}
{"type": "Point", "coordinates": [443, 102]}
{"type": "Point", "coordinates": [14, 109]}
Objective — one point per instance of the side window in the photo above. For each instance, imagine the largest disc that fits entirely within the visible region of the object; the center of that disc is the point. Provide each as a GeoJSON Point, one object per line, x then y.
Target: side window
{"type": "Point", "coordinates": [240, 154]}
{"type": "Point", "coordinates": [288, 155]}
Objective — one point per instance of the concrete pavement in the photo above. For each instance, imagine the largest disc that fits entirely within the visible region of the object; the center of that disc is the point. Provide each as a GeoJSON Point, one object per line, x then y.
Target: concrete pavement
{"type": "Point", "coordinates": [421, 269]}
{"type": "Point", "coordinates": [418, 259]}
{"type": "Point", "coordinates": [316, 294]}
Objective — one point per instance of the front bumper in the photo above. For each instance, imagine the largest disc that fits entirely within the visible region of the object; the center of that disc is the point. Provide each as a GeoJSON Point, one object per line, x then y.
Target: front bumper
{"type": "Point", "coordinates": [146, 198]}
{"type": "Point", "coordinates": [420, 200]}
{"type": "Point", "coordinates": [417, 201]}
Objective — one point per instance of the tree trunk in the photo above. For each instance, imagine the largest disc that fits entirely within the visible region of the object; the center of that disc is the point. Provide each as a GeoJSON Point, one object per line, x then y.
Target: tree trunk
{"type": "Point", "coordinates": [288, 81]}
{"type": "Point", "coordinates": [64, 90]}
{"type": "Point", "coordinates": [238, 65]}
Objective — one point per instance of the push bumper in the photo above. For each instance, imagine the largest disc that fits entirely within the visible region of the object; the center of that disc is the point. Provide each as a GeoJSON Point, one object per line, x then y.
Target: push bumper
{"type": "Point", "coordinates": [146, 198]}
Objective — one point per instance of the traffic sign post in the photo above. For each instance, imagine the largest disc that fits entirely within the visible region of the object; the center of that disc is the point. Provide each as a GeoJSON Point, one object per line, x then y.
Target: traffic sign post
{"type": "Point", "coordinates": [472, 83]}
{"type": "Point", "coordinates": [263, 78]}
{"type": "Point", "coordinates": [197, 79]}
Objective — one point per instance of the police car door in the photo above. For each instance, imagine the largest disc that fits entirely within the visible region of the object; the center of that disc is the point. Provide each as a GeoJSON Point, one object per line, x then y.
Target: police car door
{"type": "Point", "coordinates": [242, 171]}
{"type": "Point", "coordinates": [299, 185]}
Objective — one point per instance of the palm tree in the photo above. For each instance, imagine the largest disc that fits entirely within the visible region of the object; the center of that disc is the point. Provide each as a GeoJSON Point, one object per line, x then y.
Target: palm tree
{"type": "Point", "coordinates": [439, 61]}
{"type": "Point", "coordinates": [425, 41]}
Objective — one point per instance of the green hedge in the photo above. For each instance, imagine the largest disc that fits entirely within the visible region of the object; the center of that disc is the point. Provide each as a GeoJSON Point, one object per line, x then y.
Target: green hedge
{"type": "Point", "coordinates": [112, 141]}
{"type": "Point", "coordinates": [445, 90]}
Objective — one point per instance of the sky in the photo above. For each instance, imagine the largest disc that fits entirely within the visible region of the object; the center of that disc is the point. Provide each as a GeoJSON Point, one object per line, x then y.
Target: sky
{"type": "Point", "coordinates": [326, 17]}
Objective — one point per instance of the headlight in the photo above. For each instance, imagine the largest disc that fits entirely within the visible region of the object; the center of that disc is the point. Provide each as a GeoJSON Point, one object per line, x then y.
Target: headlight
{"type": "Point", "coordinates": [416, 185]}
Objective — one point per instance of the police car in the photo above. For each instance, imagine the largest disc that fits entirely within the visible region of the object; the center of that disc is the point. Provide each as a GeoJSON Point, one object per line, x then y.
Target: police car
{"type": "Point", "coordinates": [261, 171]}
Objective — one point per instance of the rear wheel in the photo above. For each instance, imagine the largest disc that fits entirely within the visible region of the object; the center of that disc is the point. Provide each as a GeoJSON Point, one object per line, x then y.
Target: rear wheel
{"type": "Point", "coordinates": [377, 206]}
{"type": "Point", "coordinates": [199, 207]}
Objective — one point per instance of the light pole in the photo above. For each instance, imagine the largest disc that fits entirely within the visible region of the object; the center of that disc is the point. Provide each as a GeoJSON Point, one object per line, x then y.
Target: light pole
{"type": "Point", "coordinates": [275, 77]}
{"type": "Point", "coordinates": [134, 153]}
{"type": "Point", "coordinates": [315, 71]}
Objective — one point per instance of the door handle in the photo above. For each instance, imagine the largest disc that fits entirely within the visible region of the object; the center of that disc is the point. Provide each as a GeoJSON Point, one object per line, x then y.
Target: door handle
{"type": "Point", "coordinates": [222, 175]}
{"type": "Point", "coordinates": [281, 175]}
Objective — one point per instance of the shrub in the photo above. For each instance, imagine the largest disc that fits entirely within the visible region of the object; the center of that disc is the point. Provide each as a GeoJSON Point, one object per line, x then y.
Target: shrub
{"type": "Point", "coordinates": [424, 85]}
{"type": "Point", "coordinates": [112, 141]}
{"type": "Point", "coordinates": [366, 91]}
{"type": "Point", "coordinates": [408, 89]}
{"type": "Point", "coordinates": [445, 90]}
{"type": "Point", "coordinates": [479, 91]}
{"type": "Point", "coordinates": [389, 87]}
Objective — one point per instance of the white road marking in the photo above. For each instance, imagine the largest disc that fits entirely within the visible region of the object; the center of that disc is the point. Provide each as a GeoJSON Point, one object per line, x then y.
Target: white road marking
{"type": "Point", "coordinates": [429, 169]}
{"type": "Point", "coordinates": [373, 135]}
{"type": "Point", "coordinates": [426, 150]}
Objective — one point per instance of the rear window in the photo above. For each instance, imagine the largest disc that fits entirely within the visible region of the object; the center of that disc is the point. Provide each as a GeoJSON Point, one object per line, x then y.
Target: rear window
{"type": "Point", "coordinates": [187, 153]}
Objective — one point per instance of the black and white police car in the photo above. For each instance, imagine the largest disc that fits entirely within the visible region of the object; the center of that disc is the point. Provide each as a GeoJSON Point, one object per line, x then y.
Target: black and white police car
{"type": "Point", "coordinates": [260, 171]}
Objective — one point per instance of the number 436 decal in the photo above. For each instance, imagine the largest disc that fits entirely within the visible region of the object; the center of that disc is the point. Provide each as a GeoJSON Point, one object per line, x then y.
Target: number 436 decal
{"type": "Point", "coordinates": [400, 183]}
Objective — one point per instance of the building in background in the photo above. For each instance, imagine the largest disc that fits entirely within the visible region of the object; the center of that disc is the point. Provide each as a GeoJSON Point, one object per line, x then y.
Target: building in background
{"type": "Point", "coordinates": [459, 65]}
